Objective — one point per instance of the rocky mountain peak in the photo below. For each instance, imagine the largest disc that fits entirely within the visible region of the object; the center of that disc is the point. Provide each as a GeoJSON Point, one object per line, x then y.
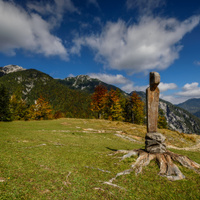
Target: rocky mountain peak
{"type": "Point", "coordinates": [11, 68]}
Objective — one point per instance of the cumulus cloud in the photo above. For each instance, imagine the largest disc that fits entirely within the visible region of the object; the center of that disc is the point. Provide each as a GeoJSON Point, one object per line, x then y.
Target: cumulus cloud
{"type": "Point", "coordinates": [166, 86]}
{"type": "Point", "coordinates": [144, 6]}
{"type": "Point", "coordinates": [190, 90]}
{"type": "Point", "coordinates": [150, 44]}
{"type": "Point", "coordinates": [110, 79]}
{"type": "Point", "coordinates": [173, 98]}
{"type": "Point", "coordinates": [130, 87]}
{"type": "Point", "coordinates": [28, 31]}
{"type": "Point", "coordinates": [119, 80]}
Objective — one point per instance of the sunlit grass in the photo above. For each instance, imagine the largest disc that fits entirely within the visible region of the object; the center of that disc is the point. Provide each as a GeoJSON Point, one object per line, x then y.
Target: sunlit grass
{"type": "Point", "coordinates": [69, 159]}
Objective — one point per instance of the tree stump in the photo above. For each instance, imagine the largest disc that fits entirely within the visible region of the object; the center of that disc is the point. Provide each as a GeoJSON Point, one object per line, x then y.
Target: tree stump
{"type": "Point", "coordinates": [155, 148]}
{"type": "Point", "coordinates": [165, 161]}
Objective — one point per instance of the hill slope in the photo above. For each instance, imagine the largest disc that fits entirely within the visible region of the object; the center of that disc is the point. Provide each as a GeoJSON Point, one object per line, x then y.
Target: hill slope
{"type": "Point", "coordinates": [31, 84]}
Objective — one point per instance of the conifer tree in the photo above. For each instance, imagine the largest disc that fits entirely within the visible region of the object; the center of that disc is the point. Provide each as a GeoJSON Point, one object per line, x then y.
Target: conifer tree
{"type": "Point", "coordinates": [5, 114]}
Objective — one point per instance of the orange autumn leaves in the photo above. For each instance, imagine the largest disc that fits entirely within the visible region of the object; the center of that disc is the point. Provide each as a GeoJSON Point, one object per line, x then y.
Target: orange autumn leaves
{"type": "Point", "coordinates": [113, 105]}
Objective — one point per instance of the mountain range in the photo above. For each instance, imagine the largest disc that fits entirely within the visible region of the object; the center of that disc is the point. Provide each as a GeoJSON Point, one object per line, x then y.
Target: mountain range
{"type": "Point", "coordinates": [191, 105]}
{"type": "Point", "coordinates": [73, 95]}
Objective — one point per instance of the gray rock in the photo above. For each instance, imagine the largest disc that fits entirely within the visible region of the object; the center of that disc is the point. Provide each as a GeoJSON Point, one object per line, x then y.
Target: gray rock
{"type": "Point", "coordinates": [158, 148]}
{"type": "Point", "coordinates": [154, 143]}
{"type": "Point", "coordinates": [155, 136]}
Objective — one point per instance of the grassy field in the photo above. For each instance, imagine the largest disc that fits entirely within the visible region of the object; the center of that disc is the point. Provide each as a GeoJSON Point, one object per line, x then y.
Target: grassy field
{"type": "Point", "coordinates": [69, 159]}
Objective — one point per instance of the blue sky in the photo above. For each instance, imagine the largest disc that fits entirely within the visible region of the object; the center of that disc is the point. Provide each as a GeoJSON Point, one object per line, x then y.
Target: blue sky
{"type": "Point", "coordinates": [119, 42]}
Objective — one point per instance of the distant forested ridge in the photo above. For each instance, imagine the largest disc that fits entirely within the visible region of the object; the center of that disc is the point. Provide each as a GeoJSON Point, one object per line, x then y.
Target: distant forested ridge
{"type": "Point", "coordinates": [32, 84]}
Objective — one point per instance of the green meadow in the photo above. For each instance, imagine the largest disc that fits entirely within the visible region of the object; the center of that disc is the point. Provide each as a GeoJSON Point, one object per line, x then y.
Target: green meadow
{"type": "Point", "coordinates": [71, 159]}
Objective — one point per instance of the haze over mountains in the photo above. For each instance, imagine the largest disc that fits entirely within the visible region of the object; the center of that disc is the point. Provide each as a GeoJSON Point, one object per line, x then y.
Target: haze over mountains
{"type": "Point", "coordinates": [72, 95]}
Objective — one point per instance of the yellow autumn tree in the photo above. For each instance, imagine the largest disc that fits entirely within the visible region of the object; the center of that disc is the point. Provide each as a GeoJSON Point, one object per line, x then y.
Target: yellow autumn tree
{"type": "Point", "coordinates": [112, 108]}
{"type": "Point", "coordinates": [19, 108]}
{"type": "Point", "coordinates": [41, 109]}
{"type": "Point", "coordinates": [137, 109]}
{"type": "Point", "coordinates": [97, 97]}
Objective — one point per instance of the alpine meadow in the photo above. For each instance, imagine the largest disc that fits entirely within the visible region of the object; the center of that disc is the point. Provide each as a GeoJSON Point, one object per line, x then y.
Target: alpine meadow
{"type": "Point", "coordinates": [99, 100]}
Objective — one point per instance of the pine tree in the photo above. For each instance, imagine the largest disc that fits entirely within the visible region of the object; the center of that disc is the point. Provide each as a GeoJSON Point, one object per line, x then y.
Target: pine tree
{"type": "Point", "coordinates": [5, 114]}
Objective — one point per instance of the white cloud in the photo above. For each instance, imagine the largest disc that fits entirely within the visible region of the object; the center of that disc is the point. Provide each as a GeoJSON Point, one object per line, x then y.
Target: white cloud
{"type": "Point", "coordinates": [55, 9]}
{"type": "Point", "coordinates": [110, 79]}
{"type": "Point", "coordinates": [166, 86]}
{"type": "Point", "coordinates": [197, 63]}
{"type": "Point", "coordinates": [190, 90]}
{"type": "Point", "coordinates": [118, 80]}
{"type": "Point", "coordinates": [153, 43]}
{"type": "Point", "coordinates": [144, 6]}
{"type": "Point", "coordinates": [28, 31]}
{"type": "Point", "coordinates": [130, 87]}
{"type": "Point", "coordinates": [173, 98]}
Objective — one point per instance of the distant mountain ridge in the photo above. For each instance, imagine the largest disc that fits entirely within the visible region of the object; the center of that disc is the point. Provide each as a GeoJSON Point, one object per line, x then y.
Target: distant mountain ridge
{"type": "Point", "coordinates": [85, 83]}
{"type": "Point", "coordinates": [177, 118]}
{"type": "Point", "coordinates": [192, 106]}
{"type": "Point", "coordinates": [73, 95]}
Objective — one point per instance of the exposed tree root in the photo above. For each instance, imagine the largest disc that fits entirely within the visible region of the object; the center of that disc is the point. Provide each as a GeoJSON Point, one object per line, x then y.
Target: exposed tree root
{"type": "Point", "coordinates": [165, 161]}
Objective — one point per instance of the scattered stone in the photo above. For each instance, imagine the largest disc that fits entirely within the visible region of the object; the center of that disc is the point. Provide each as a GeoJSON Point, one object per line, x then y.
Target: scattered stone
{"type": "Point", "coordinates": [127, 137]}
{"type": "Point", "coordinates": [2, 180]}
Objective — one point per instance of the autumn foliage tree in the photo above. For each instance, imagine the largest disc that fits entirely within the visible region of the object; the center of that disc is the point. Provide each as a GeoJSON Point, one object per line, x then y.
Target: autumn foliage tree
{"type": "Point", "coordinates": [112, 105]}
{"type": "Point", "coordinates": [137, 109]}
{"type": "Point", "coordinates": [19, 108]}
{"type": "Point", "coordinates": [162, 122]}
{"type": "Point", "coordinates": [41, 109]}
{"type": "Point", "coordinates": [112, 108]}
{"type": "Point", "coordinates": [97, 98]}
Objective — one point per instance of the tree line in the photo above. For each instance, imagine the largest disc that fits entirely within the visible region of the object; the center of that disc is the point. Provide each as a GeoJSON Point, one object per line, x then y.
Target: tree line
{"type": "Point", "coordinates": [15, 108]}
{"type": "Point", "coordinates": [113, 105]}
{"type": "Point", "coordinates": [102, 104]}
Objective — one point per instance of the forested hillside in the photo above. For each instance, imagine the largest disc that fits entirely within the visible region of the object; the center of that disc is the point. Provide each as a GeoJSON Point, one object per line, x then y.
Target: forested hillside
{"type": "Point", "coordinates": [32, 84]}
